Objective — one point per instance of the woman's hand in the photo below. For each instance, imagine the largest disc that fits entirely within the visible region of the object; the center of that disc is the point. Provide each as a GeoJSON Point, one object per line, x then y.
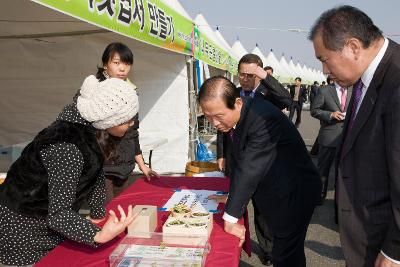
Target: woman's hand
{"type": "Point", "coordinates": [115, 226]}
{"type": "Point", "coordinates": [148, 172]}
{"type": "Point", "coordinates": [144, 168]}
{"type": "Point", "coordinates": [95, 221]}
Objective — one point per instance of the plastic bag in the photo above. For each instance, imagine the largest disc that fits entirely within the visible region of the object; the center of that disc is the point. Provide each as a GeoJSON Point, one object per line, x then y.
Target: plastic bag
{"type": "Point", "coordinates": [203, 153]}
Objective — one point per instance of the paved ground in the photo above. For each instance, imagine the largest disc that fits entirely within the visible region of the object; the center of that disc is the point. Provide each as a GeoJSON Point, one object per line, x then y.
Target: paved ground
{"type": "Point", "coordinates": [322, 241]}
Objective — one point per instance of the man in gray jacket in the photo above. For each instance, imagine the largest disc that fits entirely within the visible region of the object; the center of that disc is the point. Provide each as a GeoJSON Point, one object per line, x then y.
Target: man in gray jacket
{"type": "Point", "coordinates": [329, 106]}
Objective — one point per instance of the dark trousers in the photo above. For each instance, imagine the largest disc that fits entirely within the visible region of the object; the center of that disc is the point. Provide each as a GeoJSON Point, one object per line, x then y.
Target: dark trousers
{"type": "Point", "coordinates": [296, 105]}
{"type": "Point", "coordinates": [326, 157]}
{"type": "Point", "coordinates": [314, 148]}
{"type": "Point", "coordinates": [111, 182]}
{"type": "Point", "coordinates": [264, 236]}
{"type": "Point", "coordinates": [289, 251]}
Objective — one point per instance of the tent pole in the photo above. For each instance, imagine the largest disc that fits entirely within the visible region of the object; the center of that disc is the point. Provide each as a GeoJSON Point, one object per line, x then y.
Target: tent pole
{"type": "Point", "coordinates": [193, 130]}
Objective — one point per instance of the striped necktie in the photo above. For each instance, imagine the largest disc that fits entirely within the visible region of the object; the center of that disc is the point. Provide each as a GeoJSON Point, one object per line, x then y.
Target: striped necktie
{"type": "Point", "coordinates": [358, 86]}
{"type": "Point", "coordinates": [343, 98]}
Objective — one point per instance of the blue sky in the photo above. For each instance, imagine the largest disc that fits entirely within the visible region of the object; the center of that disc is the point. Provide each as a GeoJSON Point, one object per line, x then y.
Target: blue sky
{"type": "Point", "coordinates": [285, 14]}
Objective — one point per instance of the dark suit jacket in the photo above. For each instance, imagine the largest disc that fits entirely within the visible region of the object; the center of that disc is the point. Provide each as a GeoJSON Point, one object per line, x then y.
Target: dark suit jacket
{"type": "Point", "coordinates": [302, 93]}
{"type": "Point", "coordinates": [270, 164]}
{"type": "Point", "coordinates": [269, 89]}
{"type": "Point", "coordinates": [369, 159]}
{"type": "Point", "coordinates": [313, 92]}
{"type": "Point", "coordinates": [325, 102]}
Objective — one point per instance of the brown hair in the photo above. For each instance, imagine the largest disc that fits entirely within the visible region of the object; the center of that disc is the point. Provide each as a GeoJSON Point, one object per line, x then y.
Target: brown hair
{"type": "Point", "coordinates": [249, 59]}
{"type": "Point", "coordinates": [108, 145]}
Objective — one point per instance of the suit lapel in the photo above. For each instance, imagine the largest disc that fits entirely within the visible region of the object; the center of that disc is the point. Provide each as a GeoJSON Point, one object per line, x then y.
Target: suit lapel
{"type": "Point", "coordinates": [240, 128]}
{"type": "Point", "coordinates": [332, 91]}
{"type": "Point", "coordinates": [368, 102]}
{"type": "Point", "coordinates": [348, 97]}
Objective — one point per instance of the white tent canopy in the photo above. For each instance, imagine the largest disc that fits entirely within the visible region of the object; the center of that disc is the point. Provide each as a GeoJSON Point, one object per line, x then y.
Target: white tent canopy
{"type": "Point", "coordinates": [45, 70]}
{"type": "Point", "coordinates": [309, 73]}
{"type": "Point", "coordinates": [225, 44]}
{"type": "Point", "coordinates": [279, 73]}
{"type": "Point", "coordinates": [300, 72]}
{"type": "Point", "coordinates": [176, 5]}
{"type": "Point", "coordinates": [321, 76]}
{"type": "Point", "coordinates": [286, 67]}
{"type": "Point", "coordinates": [293, 68]}
{"type": "Point", "coordinates": [238, 49]}
{"type": "Point", "coordinates": [258, 52]}
{"type": "Point", "coordinates": [206, 29]}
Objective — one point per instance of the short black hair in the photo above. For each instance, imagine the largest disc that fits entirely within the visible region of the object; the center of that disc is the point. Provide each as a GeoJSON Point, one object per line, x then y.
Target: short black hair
{"type": "Point", "coordinates": [338, 24]}
{"type": "Point", "coordinates": [298, 79]}
{"type": "Point", "coordinates": [316, 83]}
{"type": "Point", "coordinates": [123, 51]}
{"type": "Point", "coordinates": [269, 68]}
{"type": "Point", "coordinates": [219, 86]}
{"type": "Point", "coordinates": [250, 58]}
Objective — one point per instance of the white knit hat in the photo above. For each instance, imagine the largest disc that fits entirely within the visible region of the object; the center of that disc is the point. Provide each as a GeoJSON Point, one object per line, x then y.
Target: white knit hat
{"type": "Point", "coordinates": [106, 104]}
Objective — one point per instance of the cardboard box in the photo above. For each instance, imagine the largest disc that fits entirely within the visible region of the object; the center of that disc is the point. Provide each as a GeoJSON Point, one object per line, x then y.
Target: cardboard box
{"type": "Point", "coordinates": [145, 222]}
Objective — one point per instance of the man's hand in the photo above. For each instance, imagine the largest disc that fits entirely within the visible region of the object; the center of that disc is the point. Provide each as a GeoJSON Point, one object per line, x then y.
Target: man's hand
{"type": "Point", "coordinates": [257, 71]}
{"type": "Point", "coordinates": [236, 230]}
{"type": "Point", "coordinates": [337, 115]}
{"type": "Point", "coordinates": [221, 164]}
{"type": "Point", "coordinates": [219, 198]}
{"type": "Point", "coordinates": [382, 261]}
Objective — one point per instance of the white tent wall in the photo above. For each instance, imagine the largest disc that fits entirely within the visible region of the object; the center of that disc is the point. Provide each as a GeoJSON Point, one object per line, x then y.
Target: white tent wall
{"type": "Point", "coordinates": [42, 75]}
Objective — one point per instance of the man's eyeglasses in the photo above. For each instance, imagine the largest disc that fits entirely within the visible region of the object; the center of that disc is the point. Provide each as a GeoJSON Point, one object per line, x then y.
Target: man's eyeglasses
{"type": "Point", "coordinates": [246, 75]}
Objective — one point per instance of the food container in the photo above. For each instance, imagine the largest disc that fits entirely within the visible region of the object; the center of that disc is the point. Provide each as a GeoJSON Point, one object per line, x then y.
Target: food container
{"type": "Point", "coordinates": [161, 250]}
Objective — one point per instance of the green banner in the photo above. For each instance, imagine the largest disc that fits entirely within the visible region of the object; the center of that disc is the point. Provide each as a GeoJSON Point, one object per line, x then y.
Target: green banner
{"type": "Point", "coordinates": [152, 22]}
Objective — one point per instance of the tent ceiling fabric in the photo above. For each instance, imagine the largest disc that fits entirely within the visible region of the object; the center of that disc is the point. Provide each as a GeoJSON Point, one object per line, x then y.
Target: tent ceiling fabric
{"type": "Point", "coordinates": [23, 17]}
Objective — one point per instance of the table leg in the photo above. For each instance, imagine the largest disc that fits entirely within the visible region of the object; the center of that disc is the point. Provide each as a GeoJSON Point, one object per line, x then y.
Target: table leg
{"type": "Point", "coordinates": [151, 153]}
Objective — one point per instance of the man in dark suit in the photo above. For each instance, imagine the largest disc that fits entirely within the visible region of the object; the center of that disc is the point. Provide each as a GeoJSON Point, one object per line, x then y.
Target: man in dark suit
{"type": "Point", "coordinates": [329, 107]}
{"type": "Point", "coordinates": [353, 51]}
{"type": "Point", "coordinates": [255, 82]}
{"type": "Point", "coordinates": [299, 95]}
{"type": "Point", "coordinates": [269, 164]}
{"type": "Point", "coordinates": [313, 91]}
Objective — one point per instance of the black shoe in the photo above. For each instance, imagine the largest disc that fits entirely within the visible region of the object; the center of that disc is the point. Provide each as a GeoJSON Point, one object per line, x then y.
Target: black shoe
{"type": "Point", "coordinates": [265, 260]}
{"type": "Point", "coordinates": [320, 201]}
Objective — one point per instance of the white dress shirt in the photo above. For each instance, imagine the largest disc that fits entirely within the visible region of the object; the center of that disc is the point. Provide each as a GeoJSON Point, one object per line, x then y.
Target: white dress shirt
{"type": "Point", "coordinates": [339, 92]}
{"type": "Point", "coordinates": [368, 74]}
